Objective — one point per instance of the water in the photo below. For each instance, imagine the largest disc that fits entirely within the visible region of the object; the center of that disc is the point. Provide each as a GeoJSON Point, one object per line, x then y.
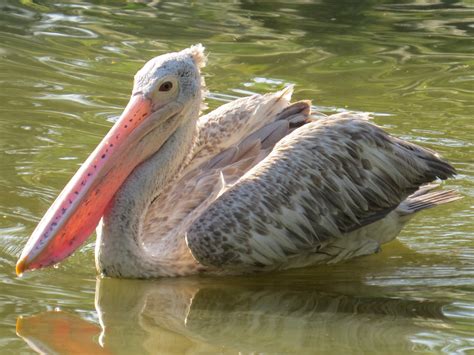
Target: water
{"type": "Point", "coordinates": [66, 71]}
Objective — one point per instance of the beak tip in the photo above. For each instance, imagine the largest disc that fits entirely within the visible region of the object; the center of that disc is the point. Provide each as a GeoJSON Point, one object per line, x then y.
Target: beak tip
{"type": "Point", "coordinates": [19, 325]}
{"type": "Point", "coordinates": [20, 267]}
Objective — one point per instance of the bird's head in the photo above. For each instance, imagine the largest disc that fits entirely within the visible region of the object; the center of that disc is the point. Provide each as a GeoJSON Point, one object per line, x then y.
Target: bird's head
{"type": "Point", "coordinates": [172, 78]}
{"type": "Point", "coordinates": [167, 92]}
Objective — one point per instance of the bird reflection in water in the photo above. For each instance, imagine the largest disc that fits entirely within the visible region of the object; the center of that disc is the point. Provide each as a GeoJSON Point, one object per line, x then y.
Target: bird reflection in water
{"type": "Point", "coordinates": [238, 314]}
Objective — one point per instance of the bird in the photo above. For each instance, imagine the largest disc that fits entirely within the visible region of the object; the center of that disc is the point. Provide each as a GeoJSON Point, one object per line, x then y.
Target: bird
{"type": "Point", "coordinates": [259, 184]}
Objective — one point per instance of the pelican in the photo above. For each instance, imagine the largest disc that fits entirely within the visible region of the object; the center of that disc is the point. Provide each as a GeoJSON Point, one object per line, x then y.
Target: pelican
{"type": "Point", "coordinates": [256, 185]}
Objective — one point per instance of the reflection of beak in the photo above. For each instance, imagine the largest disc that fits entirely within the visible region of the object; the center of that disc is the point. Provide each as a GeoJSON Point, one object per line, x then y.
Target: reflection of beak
{"type": "Point", "coordinates": [77, 210]}
{"type": "Point", "coordinates": [58, 332]}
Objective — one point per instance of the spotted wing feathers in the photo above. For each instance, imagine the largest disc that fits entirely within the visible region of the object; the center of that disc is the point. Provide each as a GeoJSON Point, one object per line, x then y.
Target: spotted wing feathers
{"type": "Point", "coordinates": [229, 124]}
{"type": "Point", "coordinates": [321, 181]}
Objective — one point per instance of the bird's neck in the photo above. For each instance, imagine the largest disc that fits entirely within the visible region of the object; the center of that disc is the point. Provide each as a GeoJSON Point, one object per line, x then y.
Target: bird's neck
{"type": "Point", "coordinates": [120, 251]}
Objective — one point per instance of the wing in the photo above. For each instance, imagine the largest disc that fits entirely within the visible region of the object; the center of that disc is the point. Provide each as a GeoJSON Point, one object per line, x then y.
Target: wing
{"type": "Point", "coordinates": [229, 124]}
{"type": "Point", "coordinates": [325, 179]}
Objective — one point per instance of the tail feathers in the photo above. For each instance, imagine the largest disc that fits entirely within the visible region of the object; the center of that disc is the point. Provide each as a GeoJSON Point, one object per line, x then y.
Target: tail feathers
{"type": "Point", "coordinates": [426, 198]}
{"type": "Point", "coordinates": [424, 189]}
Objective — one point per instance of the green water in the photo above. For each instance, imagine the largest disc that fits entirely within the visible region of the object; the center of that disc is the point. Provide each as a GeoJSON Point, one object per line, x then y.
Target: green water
{"type": "Point", "coordinates": [66, 69]}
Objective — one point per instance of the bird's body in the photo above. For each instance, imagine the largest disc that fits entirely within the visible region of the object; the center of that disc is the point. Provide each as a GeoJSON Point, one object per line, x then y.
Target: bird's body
{"type": "Point", "coordinates": [265, 207]}
{"type": "Point", "coordinates": [255, 185]}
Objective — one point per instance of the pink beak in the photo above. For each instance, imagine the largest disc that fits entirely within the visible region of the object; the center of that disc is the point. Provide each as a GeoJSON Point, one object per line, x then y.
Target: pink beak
{"type": "Point", "coordinates": [76, 212]}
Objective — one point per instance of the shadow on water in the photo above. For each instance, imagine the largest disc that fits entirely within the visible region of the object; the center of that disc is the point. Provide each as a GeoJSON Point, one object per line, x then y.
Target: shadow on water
{"type": "Point", "coordinates": [235, 314]}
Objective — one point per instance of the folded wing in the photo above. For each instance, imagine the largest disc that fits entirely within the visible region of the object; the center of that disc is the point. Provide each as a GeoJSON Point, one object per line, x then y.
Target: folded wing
{"type": "Point", "coordinates": [323, 180]}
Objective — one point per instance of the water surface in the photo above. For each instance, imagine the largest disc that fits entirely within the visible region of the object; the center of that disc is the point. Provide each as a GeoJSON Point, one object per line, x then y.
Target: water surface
{"type": "Point", "coordinates": [66, 73]}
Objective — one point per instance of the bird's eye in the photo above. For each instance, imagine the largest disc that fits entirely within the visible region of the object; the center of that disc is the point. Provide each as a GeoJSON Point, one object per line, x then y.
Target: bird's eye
{"type": "Point", "coordinates": [166, 86]}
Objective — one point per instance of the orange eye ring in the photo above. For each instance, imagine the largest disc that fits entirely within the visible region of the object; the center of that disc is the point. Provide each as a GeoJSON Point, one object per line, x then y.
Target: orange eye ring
{"type": "Point", "coordinates": [166, 86]}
